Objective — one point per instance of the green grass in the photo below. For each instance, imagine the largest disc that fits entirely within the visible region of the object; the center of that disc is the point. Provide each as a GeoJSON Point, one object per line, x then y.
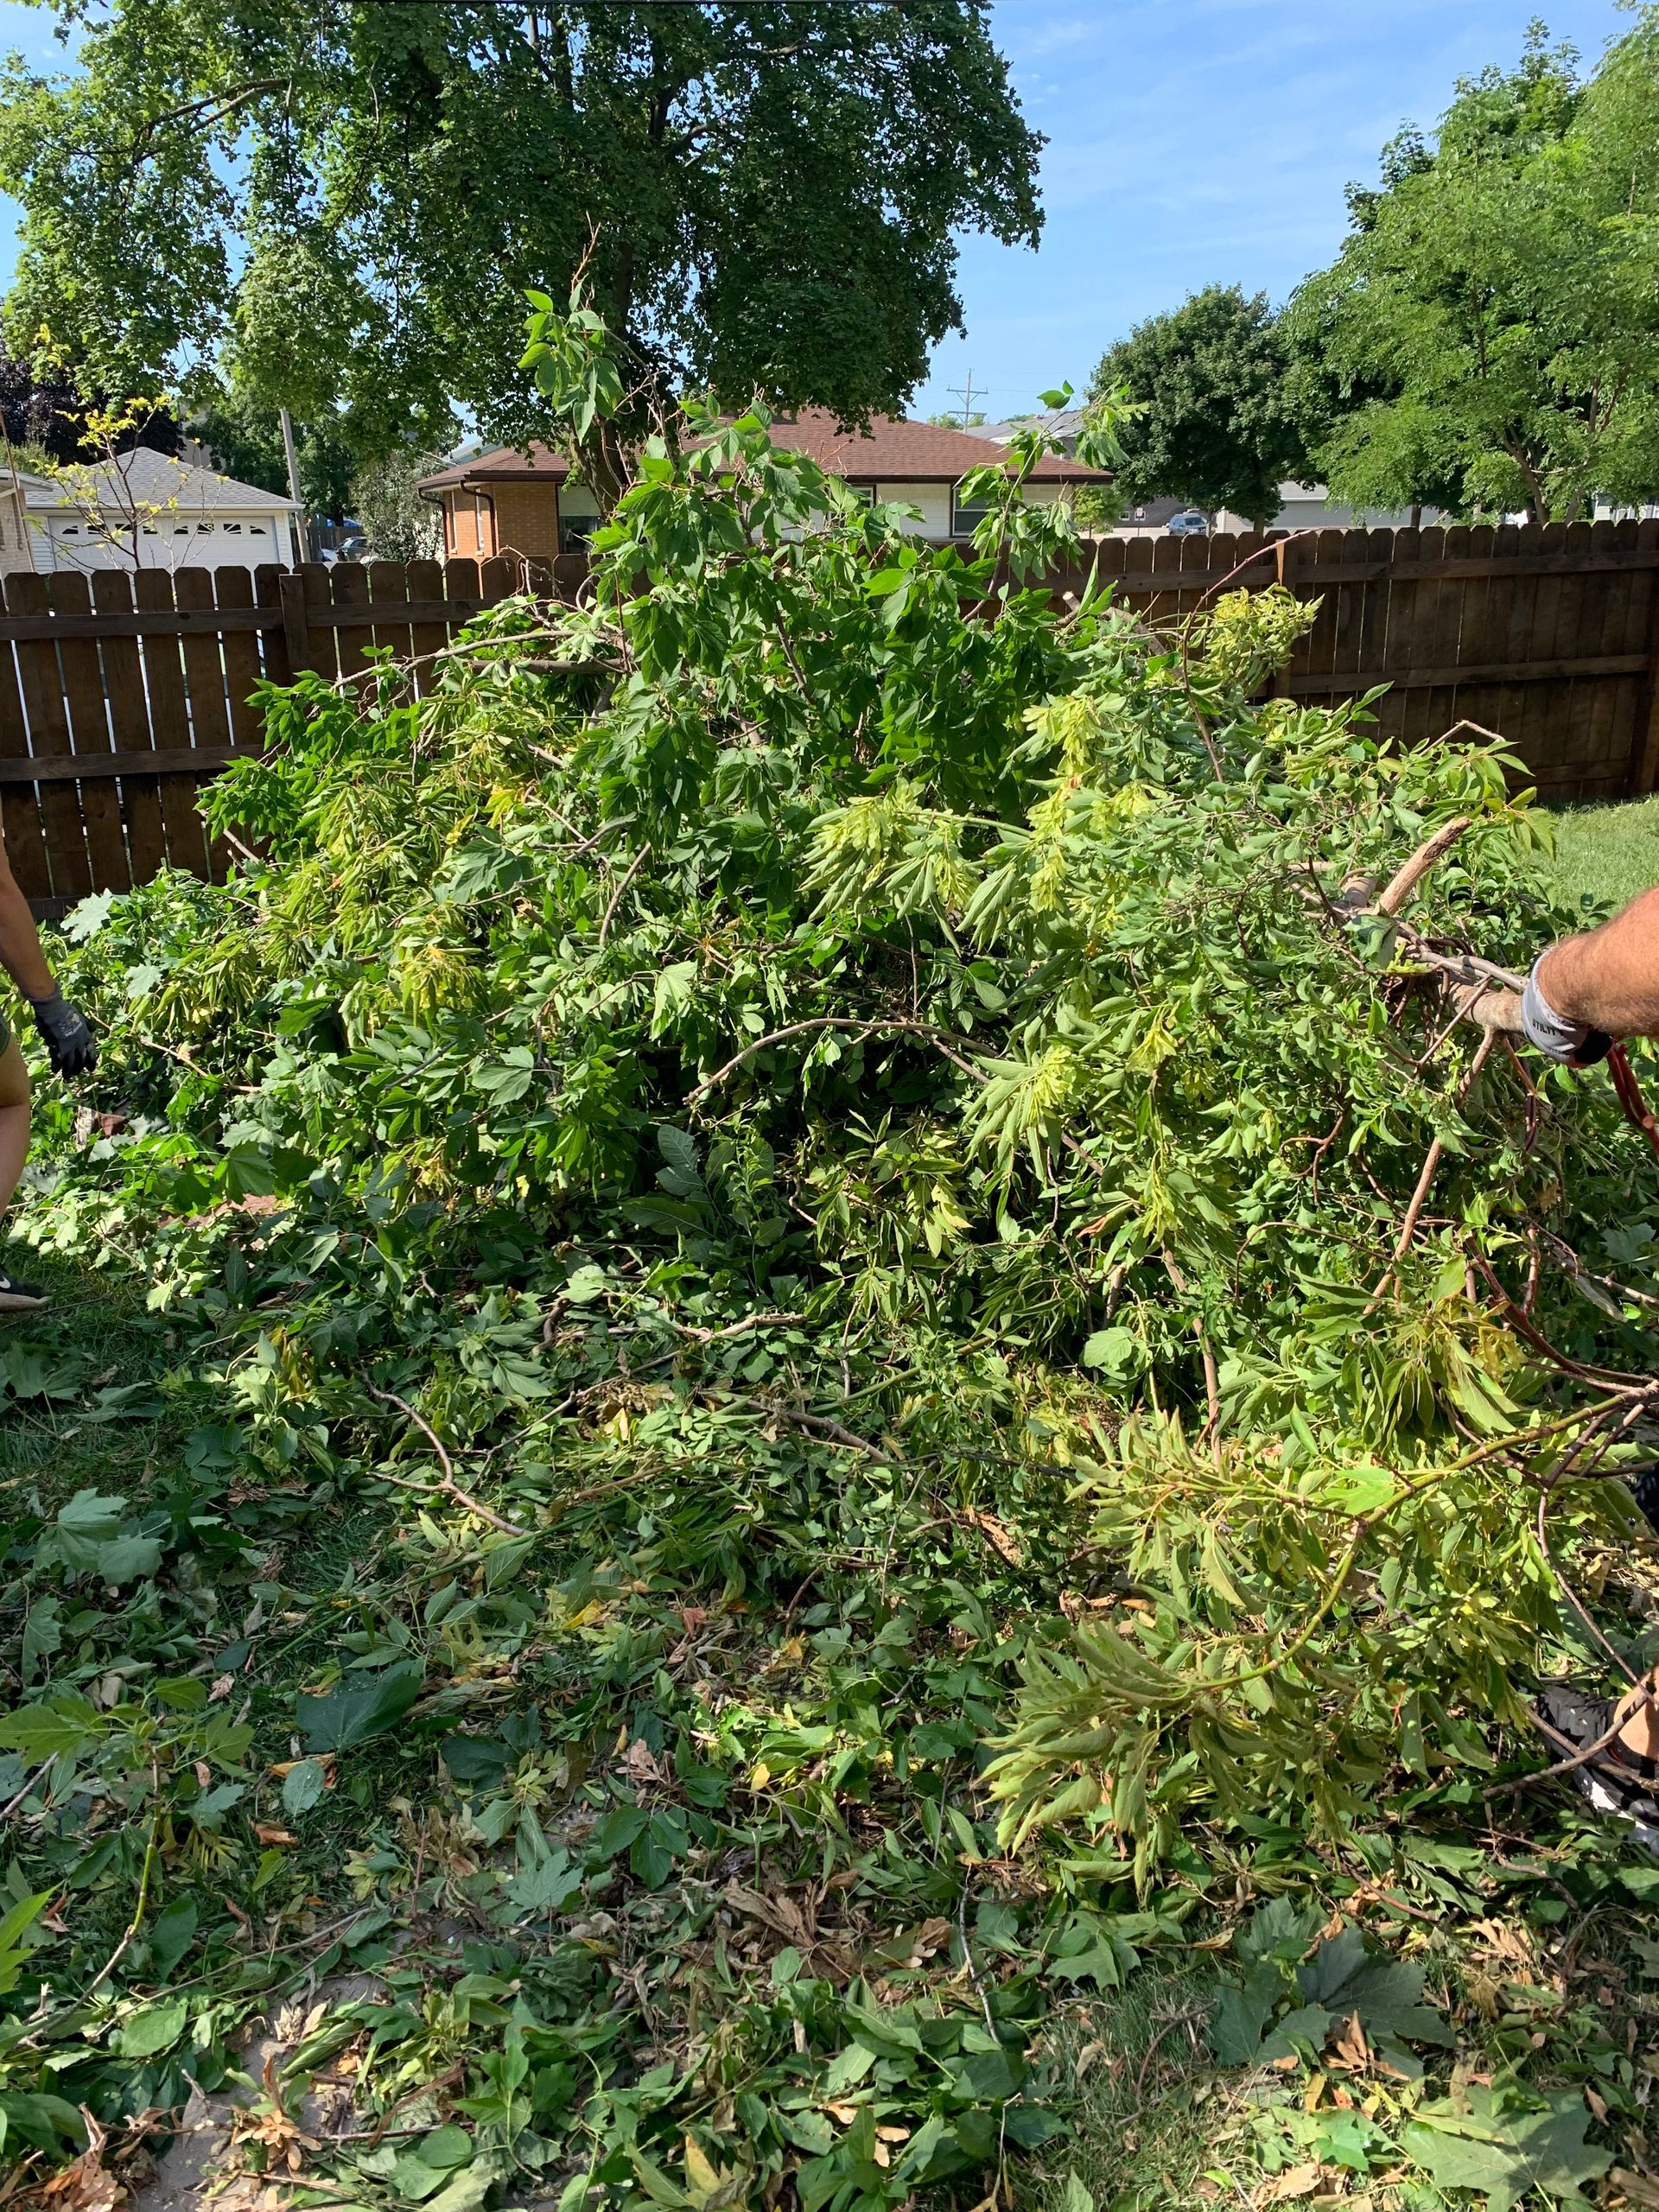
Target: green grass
{"type": "Point", "coordinates": [96, 1341]}
{"type": "Point", "coordinates": [1610, 852]}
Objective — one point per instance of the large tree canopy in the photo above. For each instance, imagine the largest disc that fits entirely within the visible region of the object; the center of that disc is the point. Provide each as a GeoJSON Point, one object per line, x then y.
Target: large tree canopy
{"type": "Point", "coordinates": [1214, 423]}
{"type": "Point", "coordinates": [347, 202]}
{"type": "Point", "coordinates": [1488, 338]}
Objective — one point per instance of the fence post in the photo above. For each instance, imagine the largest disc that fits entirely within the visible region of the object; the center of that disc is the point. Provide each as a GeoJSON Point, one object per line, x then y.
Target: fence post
{"type": "Point", "coordinates": [296, 625]}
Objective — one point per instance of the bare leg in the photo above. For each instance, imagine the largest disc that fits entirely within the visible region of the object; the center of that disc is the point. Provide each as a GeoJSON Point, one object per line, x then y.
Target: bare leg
{"type": "Point", "coordinates": [14, 1119]}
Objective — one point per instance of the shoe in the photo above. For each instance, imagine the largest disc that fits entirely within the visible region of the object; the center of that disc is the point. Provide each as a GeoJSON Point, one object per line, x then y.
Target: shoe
{"type": "Point", "coordinates": [1617, 1780]}
{"type": "Point", "coordinates": [17, 1296]}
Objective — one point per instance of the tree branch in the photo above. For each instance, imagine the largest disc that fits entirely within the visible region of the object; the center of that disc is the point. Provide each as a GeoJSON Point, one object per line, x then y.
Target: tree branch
{"type": "Point", "coordinates": [941, 1040]}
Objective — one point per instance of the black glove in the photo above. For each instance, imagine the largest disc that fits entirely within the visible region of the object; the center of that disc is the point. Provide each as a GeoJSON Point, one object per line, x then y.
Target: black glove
{"type": "Point", "coordinates": [68, 1040]}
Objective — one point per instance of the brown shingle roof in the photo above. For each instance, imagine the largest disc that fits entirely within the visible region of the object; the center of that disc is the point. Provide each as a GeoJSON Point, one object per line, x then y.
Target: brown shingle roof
{"type": "Point", "coordinates": [913, 452]}
{"type": "Point", "coordinates": [891, 449]}
{"type": "Point", "coordinates": [507, 462]}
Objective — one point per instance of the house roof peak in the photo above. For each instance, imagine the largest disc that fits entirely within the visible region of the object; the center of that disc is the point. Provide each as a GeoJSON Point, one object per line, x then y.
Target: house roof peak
{"type": "Point", "coordinates": [890, 448]}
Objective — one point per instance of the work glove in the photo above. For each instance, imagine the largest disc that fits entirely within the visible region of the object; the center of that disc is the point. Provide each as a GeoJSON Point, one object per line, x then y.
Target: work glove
{"type": "Point", "coordinates": [1574, 1043]}
{"type": "Point", "coordinates": [68, 1040]}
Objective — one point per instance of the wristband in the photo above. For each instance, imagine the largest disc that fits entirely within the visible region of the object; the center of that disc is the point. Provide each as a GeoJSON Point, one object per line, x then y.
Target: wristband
{"type": "Point", "coordinates": [1575, 1043]}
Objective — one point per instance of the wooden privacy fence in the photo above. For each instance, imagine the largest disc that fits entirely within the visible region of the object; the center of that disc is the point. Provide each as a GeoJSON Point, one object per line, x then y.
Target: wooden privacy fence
{"type": "Point", "coordinates": [1547, 633]}
{"type": "Point", "coordinates": [120, 693]}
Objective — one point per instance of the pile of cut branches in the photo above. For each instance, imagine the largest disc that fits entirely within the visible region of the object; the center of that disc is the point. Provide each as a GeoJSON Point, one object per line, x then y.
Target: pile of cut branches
{"type": "Point", "coordinates": [812, 1200]}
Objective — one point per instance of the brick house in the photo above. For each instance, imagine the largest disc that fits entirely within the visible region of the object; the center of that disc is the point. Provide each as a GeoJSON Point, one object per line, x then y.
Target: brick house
{"type": "Point", "coordinates": [513, 503]}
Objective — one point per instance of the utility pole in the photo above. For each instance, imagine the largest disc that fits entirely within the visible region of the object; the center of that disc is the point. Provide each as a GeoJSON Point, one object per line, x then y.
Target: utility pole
{"type": "Point", "coordinates": [307, 549]}
{"type": "Point", "coordinates": [965, 393]}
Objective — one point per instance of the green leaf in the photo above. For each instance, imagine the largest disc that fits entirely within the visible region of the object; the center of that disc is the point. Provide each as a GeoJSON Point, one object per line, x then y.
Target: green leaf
{"type": "Point", "coordinates": [615, 1830]}
{"type": "Point", "coordinates": [15, 1927]}
{"type": "Point", "coordinates": [1501, 2149]}
{"type": "Point", "coordinates": [207, 1811]}
{"type": "Point", "coordinates": [1115, 1349]}
{"type": "Point", "coordinates": [128, 1559]}
{"type": "Point", "coordinates": [42, 1634]}
{"type": "Point", "coordinates": [544, 1884]}
{"type": "Point", "coordinates": [1243, 2011]}
{"type": "Point", "coordinates": [362, 1705]}
{"type": "Point", "coordinates": [171, 1937]}
{"type": "Point", "coordinates": [672, 994]}
{"type": "Point", "coordinates": [85, 1525]}
{"type": "Point", "coordinates": [416, 2179]}
{"type": "Point", "coordinates": [445, 2148]}
{"type": "Point", "coordinates": [303, 1786]}
{"type": "Point", "coordinates": [155, 2028]}
{"type": "Point", "coordinates": [1298, 2032]}
{"type": "Point", "coordinates": [41, 1732]}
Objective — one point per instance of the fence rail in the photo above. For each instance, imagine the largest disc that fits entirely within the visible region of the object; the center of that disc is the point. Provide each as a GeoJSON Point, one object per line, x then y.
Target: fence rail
{"type": "Point", "coordinates": [1548, 633]}
{"type": "Point", "coordinates": [120, 693]}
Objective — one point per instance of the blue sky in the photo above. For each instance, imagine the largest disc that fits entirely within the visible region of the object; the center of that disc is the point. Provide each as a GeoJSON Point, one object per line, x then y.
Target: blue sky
{"type": "Point", "coordinates": [1193, 141]}
{"type": "Point", "coordinates": [1190, 142]}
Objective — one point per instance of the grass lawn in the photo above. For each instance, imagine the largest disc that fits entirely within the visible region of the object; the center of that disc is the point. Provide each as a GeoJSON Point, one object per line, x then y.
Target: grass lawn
{"type": "Point", "coordinates": [1524, 1931]}
{"type": "Point", "coordinates": [1611, 852]}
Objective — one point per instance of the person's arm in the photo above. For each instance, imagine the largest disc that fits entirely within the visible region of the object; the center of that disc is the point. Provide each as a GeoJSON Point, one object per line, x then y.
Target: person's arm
{"type": "Point", "coordinates": [68, 1039]}
{"type": "Point", "coordinates": [19, 941]}
{"type": "Point", "coordinates": [1608, 979]}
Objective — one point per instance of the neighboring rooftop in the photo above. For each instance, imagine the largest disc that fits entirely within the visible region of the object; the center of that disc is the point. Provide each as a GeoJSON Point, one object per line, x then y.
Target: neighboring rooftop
{"type": "Point", "coordinates": [157, 479]}
{"type": "Point", "coordinates": [1063, 422]}
{"type": "Point", "coordinates": [893, 450]}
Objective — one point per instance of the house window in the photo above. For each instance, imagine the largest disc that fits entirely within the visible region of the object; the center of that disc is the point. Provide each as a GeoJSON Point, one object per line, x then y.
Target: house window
{"type": "Point", "coordinates": [579, 515]}
{"type": "Point", "coordinates": [204, 527]}
{"type": "Point", "coordinates": [234, 529]}
{"type": "Point", "coordinates": [864, 494]}
{"type": "Point", "coordinates": [72, 529]}
{"type": "Point", "coordinates": [965, 518]}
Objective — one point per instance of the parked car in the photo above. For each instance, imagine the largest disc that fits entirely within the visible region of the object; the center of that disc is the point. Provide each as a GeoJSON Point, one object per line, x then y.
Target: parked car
{"type": "Point", "coordinates": [349, 548]}
{"type": "Point", "coordinates": [1189, 524]}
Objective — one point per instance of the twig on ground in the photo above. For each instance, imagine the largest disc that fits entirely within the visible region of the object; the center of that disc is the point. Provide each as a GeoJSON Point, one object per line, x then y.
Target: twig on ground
{"type": "Point", "coordinates": [968, 1951]}
{"type": "Point", "coordinates": [941, 1040]}
{"type": "Point", "coordinates": [11, 1805]}
{"type": "Point", "coordinates": [448, 1487]}
{"type": "Point", "coordinates": [133, 1925]}
{"type": "Point", "coordinates": [1192, 2012]}
{"type": "Point", "coordinates": [1561, 1766]}
{"type": "Point", "coordinates": [832, 1429]}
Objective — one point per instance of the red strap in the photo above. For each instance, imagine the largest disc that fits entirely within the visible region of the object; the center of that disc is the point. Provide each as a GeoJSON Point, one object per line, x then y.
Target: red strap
{"type": "Point", "coordinates": [1629, 1095]}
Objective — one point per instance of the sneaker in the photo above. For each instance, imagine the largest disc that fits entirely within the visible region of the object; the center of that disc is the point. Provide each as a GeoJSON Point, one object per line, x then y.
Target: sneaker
{"type": "Point", "coordinates": [1617, 1780]}
{"type": "Point", "coordinates": [17, 1296]}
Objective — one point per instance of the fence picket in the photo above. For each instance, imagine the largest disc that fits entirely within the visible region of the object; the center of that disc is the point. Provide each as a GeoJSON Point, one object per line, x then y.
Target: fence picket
{"type": "Point", "coordinates": [48, 725]}
{"type": "Point", "coordinates": [19, 804]}
{"type": "Point", "coordinates": [84, 698]}
{"type": "Point", "coordinates": [170, 722]}
{"type": "Point", "coordinates": [124, 685]}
